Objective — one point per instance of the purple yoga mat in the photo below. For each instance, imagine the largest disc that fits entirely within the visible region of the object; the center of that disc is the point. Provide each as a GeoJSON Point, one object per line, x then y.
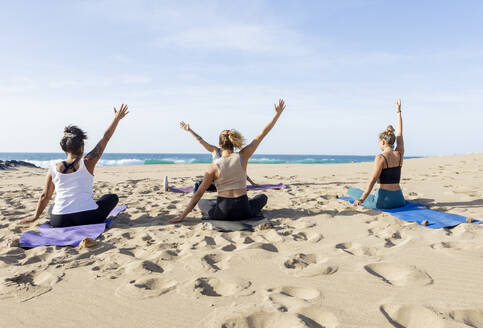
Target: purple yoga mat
{"type": "Point", "coordinates": [68, 236]}
{"type": "Point", "coordinates": [257, 187]}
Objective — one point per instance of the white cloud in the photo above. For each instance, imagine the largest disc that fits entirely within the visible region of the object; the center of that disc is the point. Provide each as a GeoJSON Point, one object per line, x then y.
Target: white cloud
{"type": "Point", "coordinates": [240, 37]}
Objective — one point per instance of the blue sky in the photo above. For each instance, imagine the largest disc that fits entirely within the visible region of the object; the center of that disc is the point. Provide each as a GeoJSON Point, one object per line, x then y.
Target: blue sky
{"type": "Point", "coordinates": [221, 64]}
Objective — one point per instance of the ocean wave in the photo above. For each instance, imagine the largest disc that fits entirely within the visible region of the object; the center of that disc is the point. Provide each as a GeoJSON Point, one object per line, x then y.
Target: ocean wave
{"type": "Point", "coordinates": [44, 164]}
{"type": "Point", "coordinates": [102, 162]}
{"type": "Point", "coordinates": [120, 162]}
{"type": "Point", "coordinates": [134, 159]}
{"type": "Point", "coordinates": [175, 161]}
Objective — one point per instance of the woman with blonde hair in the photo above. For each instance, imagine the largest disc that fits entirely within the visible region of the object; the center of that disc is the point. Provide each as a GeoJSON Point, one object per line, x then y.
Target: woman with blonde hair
{"type": "Point", "coordinates": [212, 149]}
{"type": "Point", "coordinates": [229, 174]}
{"type": "Point", "coordinates": [387, 171]}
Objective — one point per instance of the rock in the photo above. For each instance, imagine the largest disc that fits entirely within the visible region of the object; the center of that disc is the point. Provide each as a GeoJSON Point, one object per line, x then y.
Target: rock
{"type": "Point", "coordinates": [5, 165]}
{"type": "Point", "coordinates": [470, 220]}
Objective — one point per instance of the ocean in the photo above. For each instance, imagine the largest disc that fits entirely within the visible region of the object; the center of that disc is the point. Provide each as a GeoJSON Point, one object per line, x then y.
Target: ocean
{"type": "Point", "coordinates": [117, 159]}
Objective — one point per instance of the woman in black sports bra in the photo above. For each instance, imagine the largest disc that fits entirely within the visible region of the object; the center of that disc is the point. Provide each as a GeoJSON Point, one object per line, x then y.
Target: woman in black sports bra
{"type": "Point", "coordinates": [387, 171]}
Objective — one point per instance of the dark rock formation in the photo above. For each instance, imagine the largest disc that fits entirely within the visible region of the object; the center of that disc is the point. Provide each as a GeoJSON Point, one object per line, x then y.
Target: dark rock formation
{"type": "Point", "coordinates": [5, 165]}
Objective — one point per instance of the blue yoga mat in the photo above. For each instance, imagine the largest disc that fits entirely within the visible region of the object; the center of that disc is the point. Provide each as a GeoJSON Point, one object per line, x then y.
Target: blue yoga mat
{"type": "Point", "coordinates": [67, 236]}
{"type": "Point", "coordinates": [415, 212]}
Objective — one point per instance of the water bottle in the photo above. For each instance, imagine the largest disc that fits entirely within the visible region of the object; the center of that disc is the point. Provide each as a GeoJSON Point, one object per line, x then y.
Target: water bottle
{"type": "Point", "coordinates": [166, 183]}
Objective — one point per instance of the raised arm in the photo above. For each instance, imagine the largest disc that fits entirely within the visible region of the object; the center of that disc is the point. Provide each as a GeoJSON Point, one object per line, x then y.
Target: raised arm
{"type": "Point", "coordinates": [206, 145]}
{"type": "Point", "coordinates": [248, 151]}
{"type": "Point", "coordinates": [207, 180]}
{"type": "Point", "coordinates": [399, 131]}
{"type": "Point", "coordinates": [378, 165]}
{"type": "Point", "coordinates": [43, 200]}
{"type": "Point", "coordinates": [91, 159]}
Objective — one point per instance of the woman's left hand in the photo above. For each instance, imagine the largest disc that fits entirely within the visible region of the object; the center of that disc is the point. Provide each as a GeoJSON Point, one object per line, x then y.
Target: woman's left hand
{"type": "Point", "coordinates": [176, 219]}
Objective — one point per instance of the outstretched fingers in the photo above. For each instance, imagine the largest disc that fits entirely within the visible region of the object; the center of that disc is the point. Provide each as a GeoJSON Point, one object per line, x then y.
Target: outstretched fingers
{"type": "Point", "coordinates": [280, 107]}
{"type": "Point", "coordinates": [184, 125]}
{"type": "Point", "coordinates": [123, 111]}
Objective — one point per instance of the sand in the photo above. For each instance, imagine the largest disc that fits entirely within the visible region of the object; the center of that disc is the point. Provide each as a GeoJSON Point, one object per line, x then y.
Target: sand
{"type": "Point", "coordinates": [323, 264]}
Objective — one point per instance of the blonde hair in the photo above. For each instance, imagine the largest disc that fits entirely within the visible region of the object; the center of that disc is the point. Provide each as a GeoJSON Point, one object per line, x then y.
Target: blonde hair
{"type": "Point", "coordinates": [388, 135]}
{"type": "Point", "coordinates": [230, 139]}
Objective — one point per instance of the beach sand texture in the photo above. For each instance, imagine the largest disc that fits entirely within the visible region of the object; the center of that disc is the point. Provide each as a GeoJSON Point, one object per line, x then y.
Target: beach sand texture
{"type": "Point", "coordinates": [323, 264]}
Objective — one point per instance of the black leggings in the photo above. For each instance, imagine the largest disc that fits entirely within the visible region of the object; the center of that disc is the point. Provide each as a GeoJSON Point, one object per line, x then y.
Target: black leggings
{"type": "Point", "coordinates": [232, 209]}
{"type": "Point", "coordinates": [106, 205]}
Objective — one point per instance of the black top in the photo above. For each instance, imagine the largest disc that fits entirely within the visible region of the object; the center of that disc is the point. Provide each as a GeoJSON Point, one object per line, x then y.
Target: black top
{"type": "Point", "coordinates": [390, 174]}
{"type": "Point", "coordinates": [69, 166]}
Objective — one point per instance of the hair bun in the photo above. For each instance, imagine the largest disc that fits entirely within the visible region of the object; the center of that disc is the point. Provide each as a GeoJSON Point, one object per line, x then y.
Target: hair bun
{"type": "Point", "coordinates": [73, 131]}
{"type": "Point", "coordinates": [390, 129]}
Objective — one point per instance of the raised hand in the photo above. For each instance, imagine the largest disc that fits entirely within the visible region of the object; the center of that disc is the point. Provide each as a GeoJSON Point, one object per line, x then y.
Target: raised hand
{"type": "Point", "coordinates": [121, 113]}
{"type": "Point", "coordinates": [280, 107]}
{"type": "Point", "coordinates": [185, 126]}
{"type": "Point", "coordinates": [398, 104]}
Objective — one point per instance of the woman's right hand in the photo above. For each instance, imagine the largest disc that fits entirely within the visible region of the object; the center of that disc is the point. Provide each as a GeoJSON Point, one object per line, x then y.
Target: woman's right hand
{"type": "Point", "coordinates": [358, 202]}
{"type": "Point", "coordinates": [121, 113]}
{"type": "Point", "coordinates": [185, 126]}
{"type": "Point", "coordinates": [28, 220]}
{"type": "Point", "coordinates": [280, 107]}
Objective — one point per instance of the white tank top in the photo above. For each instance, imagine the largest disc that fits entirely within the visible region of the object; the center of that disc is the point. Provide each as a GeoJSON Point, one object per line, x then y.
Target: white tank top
{"type": "Point", "coordinates": [73, 191]}
{"type": "Point", "coordinates": [230, 173]}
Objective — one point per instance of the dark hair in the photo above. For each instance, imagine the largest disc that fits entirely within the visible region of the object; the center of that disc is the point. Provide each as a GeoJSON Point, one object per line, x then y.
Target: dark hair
{"type": "Point", "coordinates": [73, 140]}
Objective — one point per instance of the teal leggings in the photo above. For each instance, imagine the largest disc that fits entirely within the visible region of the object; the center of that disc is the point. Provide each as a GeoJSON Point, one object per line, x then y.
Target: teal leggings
{"type": "Point", "coordinates": [382, 199]}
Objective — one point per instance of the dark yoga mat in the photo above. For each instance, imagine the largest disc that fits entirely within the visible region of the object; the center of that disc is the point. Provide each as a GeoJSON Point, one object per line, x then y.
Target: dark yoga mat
{"type": "Point", "coordinates": [227, 226]}
{"type": "Point", "coordinates": [68, 236]}
{"type": "Point", "coordinates": [415, 212]}
{"type": "Point", "coordinates": [257, 187]}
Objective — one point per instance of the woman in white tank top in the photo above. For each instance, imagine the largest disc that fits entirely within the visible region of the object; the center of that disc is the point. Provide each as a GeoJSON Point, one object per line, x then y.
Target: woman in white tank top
{"type": "Point", "coordinates": [229, 174]}
{"type": "Point", "coordinates": [73, 178]}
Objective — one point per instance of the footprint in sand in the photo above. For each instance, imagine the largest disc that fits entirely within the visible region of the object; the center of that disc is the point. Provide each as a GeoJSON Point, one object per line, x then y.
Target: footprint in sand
{"type": "Point", "coordinates": [264, 319]}
{"type": "Point", "coordinates": [308, 265]}
{"type": "Point", "coordinates": [290, 298]}
{"type": "Point", "coordinates": [28, 285]}
{"type": "Point", "coordinates": [214, 262]}
{"type": "Point", "coordinates": [229, 248]}
{"type": "Point", "coordinates": [309, 236]}
{"type": "Point", "coordinates": [13, 256]}
{"type": "Point", "coordinates": [413, 316]}
{"type": "Point", "coordinates": [457, 246]}
{"type": "Point", "coordinates": [142, 267]}
{"type": "Point", "coordinates": [356, 249]}
{"type": "Point", "coordinates": [472, 318]}
{"type": "Point", "coordinates": [263, 246]}
{"type": "Point", "coordinates": [145, 287]}
{"type": "Point", "coordinates": [206, 243]}
{"type": "Point", "coordinates": [214, 287]}
{"type": "Point", "coordinates": [399, 274]}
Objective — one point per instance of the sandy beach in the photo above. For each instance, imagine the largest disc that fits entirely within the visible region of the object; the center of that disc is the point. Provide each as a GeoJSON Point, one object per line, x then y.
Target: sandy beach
{"type": "Point", "coordinates": [323, 264]}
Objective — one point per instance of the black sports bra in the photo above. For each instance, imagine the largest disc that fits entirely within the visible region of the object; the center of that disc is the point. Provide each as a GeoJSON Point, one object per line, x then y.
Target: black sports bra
{"type": "Point", "coordinates": [67, 167]}
{"type": "Point", "coordinates": [390, 175]}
